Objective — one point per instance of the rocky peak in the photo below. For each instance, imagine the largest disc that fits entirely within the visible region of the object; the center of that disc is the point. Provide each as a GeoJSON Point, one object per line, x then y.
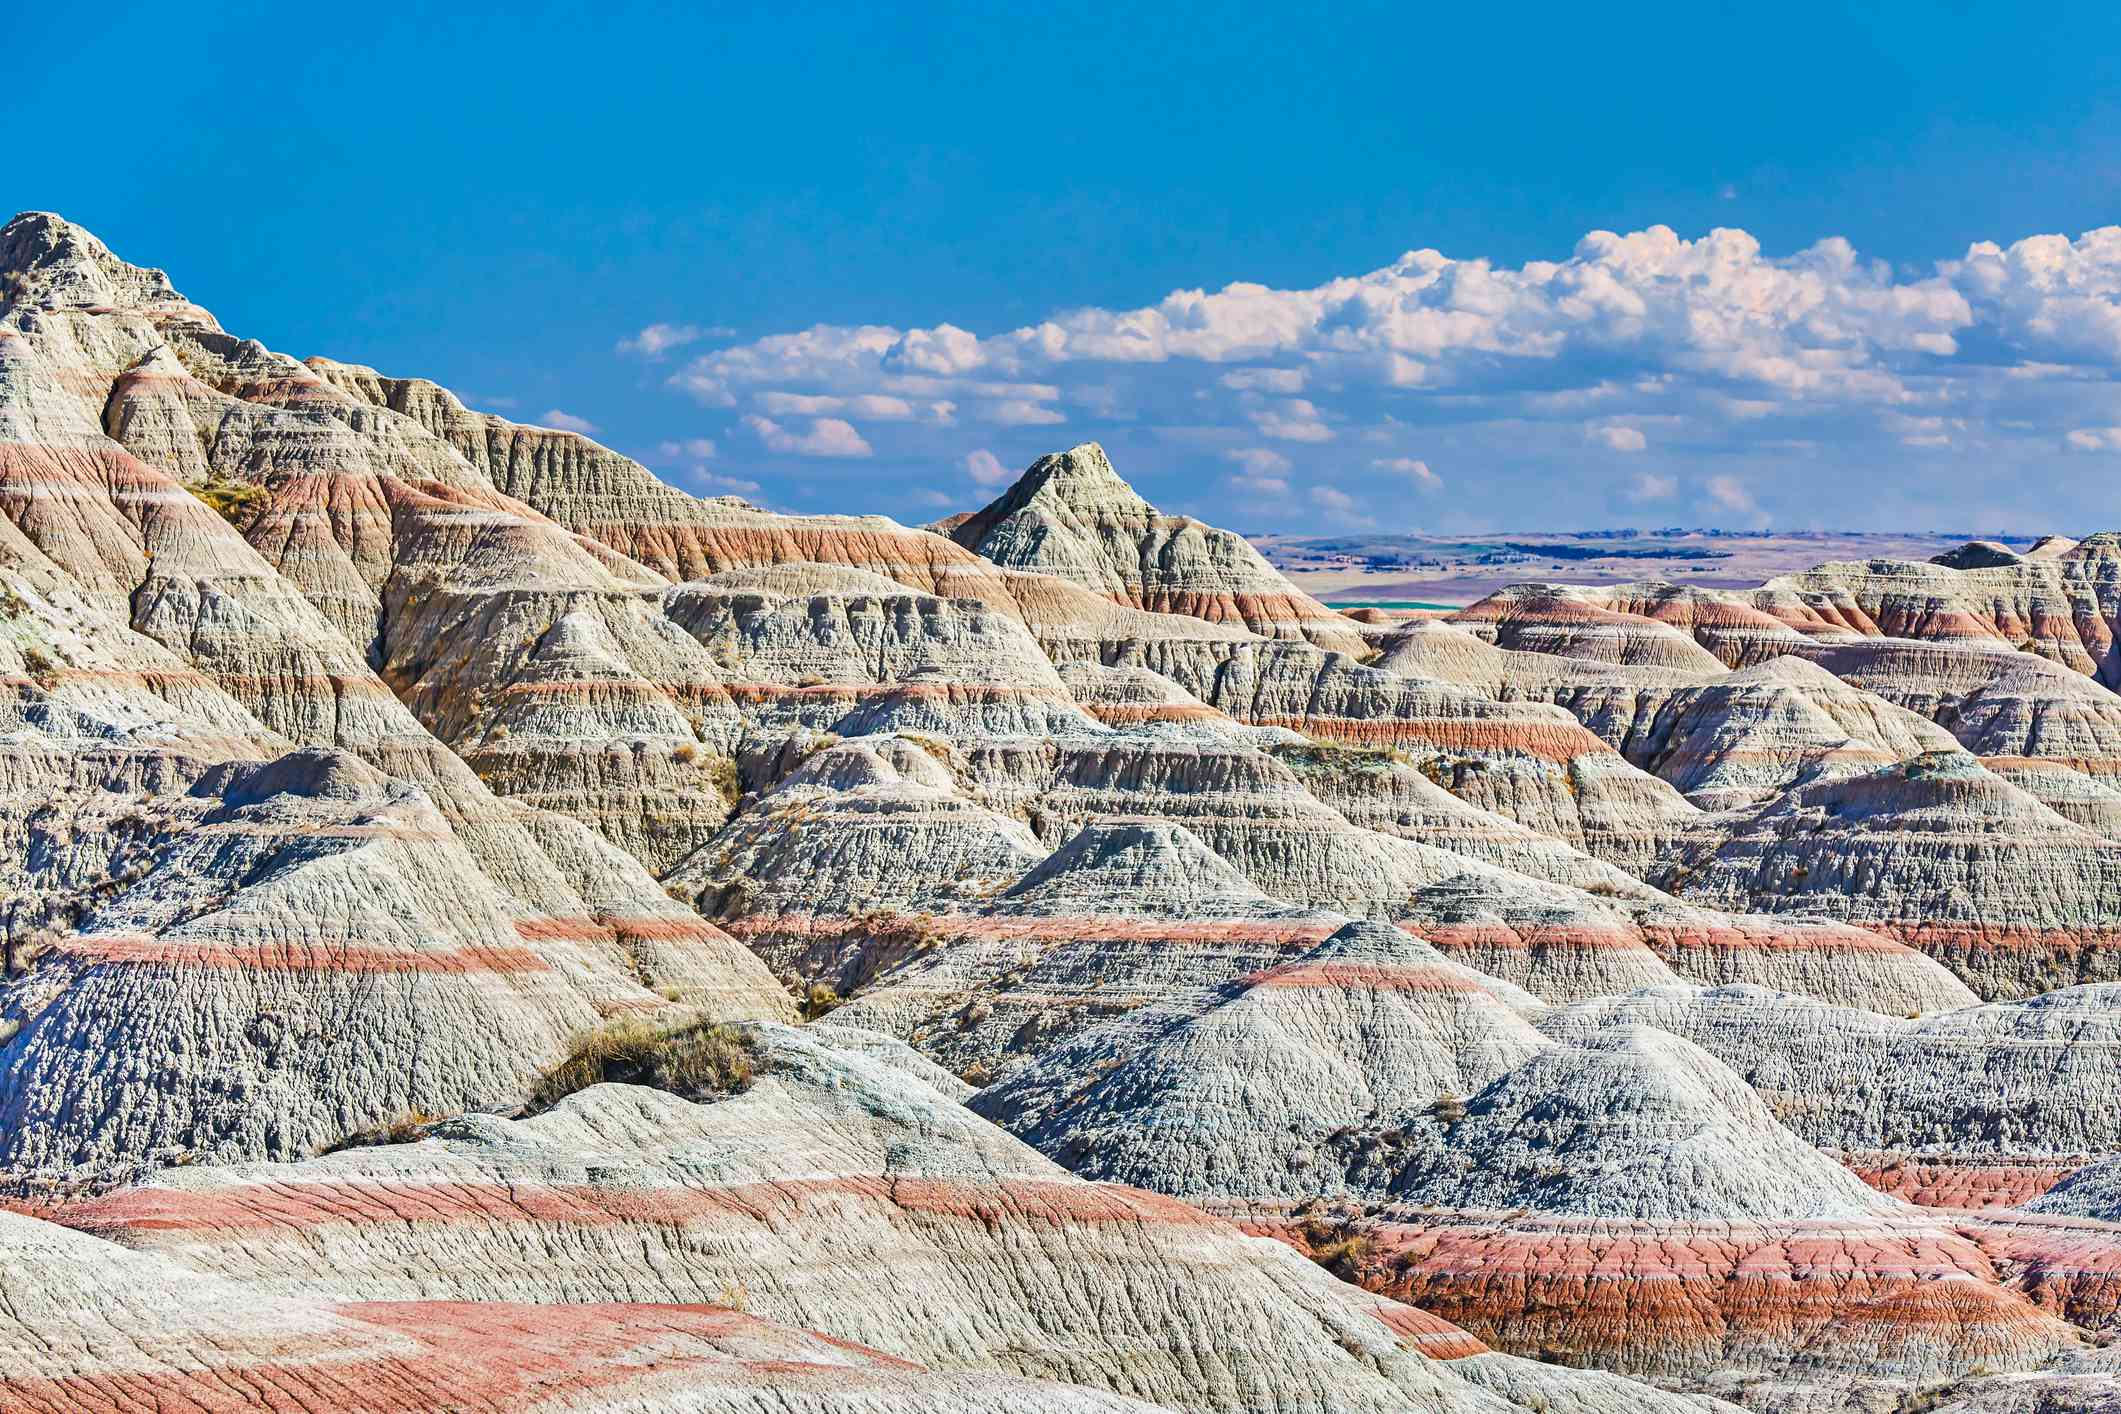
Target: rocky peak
{"type": "Point", "coordinates": [1977, 555]}
{"type": "Point", "coordinates": [1132, 863]}
{"type": "Point", "coordinates": [1071, 515]}
{"type": "Point", "coordinates": [47, 262]}
{"type": "Point", "coordinates": [2106, 545]}
{"type": "Point", "coordinates": [1078, 482]}
{"type": "Point", "coordinates": [2050, 547]}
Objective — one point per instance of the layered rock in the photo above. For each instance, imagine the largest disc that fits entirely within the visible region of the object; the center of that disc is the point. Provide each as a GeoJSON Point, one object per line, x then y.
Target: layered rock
{"type": "Point", "coordinates": [1779, 1314]}
{"type": "Point", "coordinates": [93, 1325]}
{"type": "Point", "coordinates": [2008, 1082]}
{"type": "Point", "coordinates": [1941, 854]}
{"type": "Point", "coordinates": [1261, 1083]}
{"type": "Point", "coordinates": [1020, 1269]}
{"type": "Point", "coordinates": [370, 762]}
{"type": "Point", "coordinates": [1071, 516]}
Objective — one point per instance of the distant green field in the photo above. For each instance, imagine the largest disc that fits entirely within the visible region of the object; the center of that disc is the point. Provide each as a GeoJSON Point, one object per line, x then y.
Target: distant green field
{"type": "Point", "coordinates": [1387, 604]}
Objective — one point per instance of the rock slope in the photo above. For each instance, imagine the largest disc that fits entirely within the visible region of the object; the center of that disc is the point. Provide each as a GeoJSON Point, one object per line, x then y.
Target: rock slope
{"type": "Point", "coordinates": [426, 832]}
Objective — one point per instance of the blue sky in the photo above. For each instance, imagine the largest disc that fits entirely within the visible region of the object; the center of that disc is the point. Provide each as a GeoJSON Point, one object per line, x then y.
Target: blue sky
{"type": "Point", "coordinates": [896, 253]}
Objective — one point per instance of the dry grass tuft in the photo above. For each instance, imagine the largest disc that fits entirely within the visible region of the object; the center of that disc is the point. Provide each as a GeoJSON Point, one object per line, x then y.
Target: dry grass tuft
{"type": "Point", "coordinates": [728, 782]}
{"type": "Point", "coordinates": [408, 1128]}
{"type": "Point", "coordinates": [694, 1059]}
{"type": "Point", "coordinates": [237, 502]}
{"type": "Point", "coordinates": [42, 667]}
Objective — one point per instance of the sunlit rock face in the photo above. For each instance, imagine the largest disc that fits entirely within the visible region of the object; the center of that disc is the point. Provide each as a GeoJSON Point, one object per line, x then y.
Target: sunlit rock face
{"type": "Point", "coordinates": [1112, 979]}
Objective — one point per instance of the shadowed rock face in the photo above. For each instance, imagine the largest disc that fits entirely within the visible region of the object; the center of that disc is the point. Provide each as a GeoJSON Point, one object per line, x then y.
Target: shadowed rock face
{"type": "Point", "coordinates": [1595, 976]}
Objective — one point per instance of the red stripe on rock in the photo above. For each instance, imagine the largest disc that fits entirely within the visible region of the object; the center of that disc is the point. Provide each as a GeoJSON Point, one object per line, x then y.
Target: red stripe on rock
{"type": "Point", "coordinates": [1960, 1181]}
{"type": "Point", "coordinates": [307, 1206]}
{"type": "Point", "coordinates": [1363, 977]}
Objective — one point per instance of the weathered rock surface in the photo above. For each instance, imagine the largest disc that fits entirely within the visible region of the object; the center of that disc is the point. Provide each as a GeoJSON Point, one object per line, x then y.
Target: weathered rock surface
{"type": "Point", "coordinates": [837, 1194]}
{"type": "Point", "coordinates": [90, 1325]}
{"type": "Point", "coordinates": [2011, 1080]}
{"type": "Point", "coordinates": [1071, 516]}
{"type": "Point", "coordinates": [1941, 854]}
{"type": "Point", "coordinates": [1581, 967]}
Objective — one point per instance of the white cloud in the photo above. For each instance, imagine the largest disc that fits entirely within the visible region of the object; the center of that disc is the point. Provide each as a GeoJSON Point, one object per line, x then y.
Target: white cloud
{"type": "Point", "coordinates": [1620, 438]}
{"type": "Point", "coordinates": [1418, 470]}
{"type": "Point", "coordinates": [719, 484]}
{"type": "Point", "coordinates": [1649, 486]}
{"type": "Point", "coordinates": [932, 498]}
{"type": "Point", "coordinates": [1291, 420]}
{"type": "Point", "coordinates": [1728, 493]}
{"type": "Point", "coordinates": [2094, 439]}
{"type": "Point", "coordinates": [874, 406]}
{"type": "Point", "coordinates": [945, 349]}
{"type": "Point", "coordinates": [698, 448]}
{"type": "Point", "coordinates": [1018, 412]}
{"type": "Point", "coordinates": [1708, 343]}
{"type": "Point", "coordinates": [566, 421]}
{"type": "Point", "coordinates": [1260, 461]}
{"type": "Point", "coordinates": [827, 437]}
{"type": "Point", "coordinates": [1334, 501]}
{"type": "Point", "coordinates": [1258, 485]}
{"type": "Point", "coordinates": [659, 339]}
{"type": "Point", "coordinates": [2053, 298]}
{"type": "Point", "coordinates": [985, 468]}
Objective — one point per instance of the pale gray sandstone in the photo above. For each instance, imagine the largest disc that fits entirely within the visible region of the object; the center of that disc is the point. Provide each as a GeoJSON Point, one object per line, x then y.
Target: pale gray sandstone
{"type": "Point", "coordinates": [1071, 515]}
{"type": "Point", "coordinates": [361, 754]}
{"type": "Point", "coordinates": [838, 1193]}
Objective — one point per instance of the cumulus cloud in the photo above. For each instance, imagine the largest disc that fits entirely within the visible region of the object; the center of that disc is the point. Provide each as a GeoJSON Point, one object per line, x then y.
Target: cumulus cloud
{"type": "Point", "coordinates": [827, 437]}
{"type": "Point", "coordinates": [1642, 343]}
{"type": "Point", "coordinates": [1255, 485]}
{"type": "Point", "coordinates": [1649, 486]}
{"type": "Point", "coordinates": [1728, 493]}
{"type": "Point", "coordinates": [566, 421]}
{"type": "Point", "coordinates": [874, 406]}
{"type": "Point", "coordinates": [1335, 502]}
{"type": "Point", "coordinates": [717, 484]}
{"type": "Point", "coordinates": [985, 468]}
{"type": "Point", "coordinates": [659, 339]}
{"type": "Point", "coordinates": [1291, 420]}
{"type": "Point", "coordinates": [1018, 412]}
{"type": "Point", "coordinates": [1413, 468]}
{"type": "Point", "coordinates": [1259, 461]}
{"type": "Point", "coordinates": [698, 448]}
{"type": "Point", "coordinates": [2094, 439]}
{"type": "Point", "coordinates": [1620, 438]}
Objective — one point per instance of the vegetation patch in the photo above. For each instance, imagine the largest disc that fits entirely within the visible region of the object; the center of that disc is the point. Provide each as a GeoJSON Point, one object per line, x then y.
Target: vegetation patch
{"type": "Point", "coordinates": [237, 502]}
{"type": "Point", "coordinates": [1321, 755]}
{"type": "Point", "coordinates": [407, 1128]}
{"type": "Point", "coordinates": [818, 999]}
{"type": "Point", "coordinates": [1335, 1246]}
{"type": "Point", "coordinates": [698, 1060]}
{"type": "Point", "coordinates": [42, 667]}
{"type": "Point", "coordinates": [728, 782]}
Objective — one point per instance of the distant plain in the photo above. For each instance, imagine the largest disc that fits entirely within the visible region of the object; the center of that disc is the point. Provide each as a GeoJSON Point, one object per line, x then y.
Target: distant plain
{"type": "Point", "coordinates": [1406, 570]}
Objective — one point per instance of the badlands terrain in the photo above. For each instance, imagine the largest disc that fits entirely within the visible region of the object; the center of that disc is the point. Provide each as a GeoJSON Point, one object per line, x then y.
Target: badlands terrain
{"type": "Point", "coordinates": [485, 930]}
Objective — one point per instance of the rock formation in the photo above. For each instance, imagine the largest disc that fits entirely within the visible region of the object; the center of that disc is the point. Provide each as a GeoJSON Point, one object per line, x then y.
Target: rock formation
{"type": "Point", "coordinates": [484, 929]}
